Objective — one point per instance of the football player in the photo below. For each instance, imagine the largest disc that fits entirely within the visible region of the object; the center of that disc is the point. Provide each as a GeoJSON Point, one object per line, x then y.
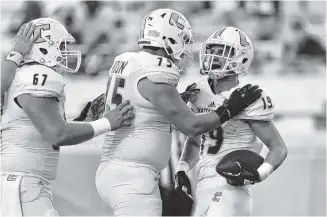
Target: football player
{"type": "Point", "coordinates": [133, 156]}
{"type": "Point", "coordinates": [224, 56]}
{"type": "Point", "coordinates": [34, 127]}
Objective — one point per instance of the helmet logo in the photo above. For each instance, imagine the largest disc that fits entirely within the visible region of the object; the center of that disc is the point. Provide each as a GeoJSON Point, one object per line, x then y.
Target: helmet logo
{"type": "Point", "coordinates": [153, 33]}
{"type": "Point", "coordinates": [174, 20]}
{"type": "Point", "coordinates": [218, 32]}
{"type": "Point", "coordinates": [243, 40]}
{"type": "Point", "coordinates": [38, 30]}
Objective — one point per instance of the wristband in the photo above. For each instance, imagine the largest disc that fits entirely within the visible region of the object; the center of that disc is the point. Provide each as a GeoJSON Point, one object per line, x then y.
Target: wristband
{"type": "Point", "coordinates": [223, 114]}
{"type": "Point", "coordinates": [100, 126]}
{"type": "Point", "coordinates": [15, 57]}
{"type": "Point", "coordinates": [265, 170]}
{"type": "Point", "coordinates": [183, 166]}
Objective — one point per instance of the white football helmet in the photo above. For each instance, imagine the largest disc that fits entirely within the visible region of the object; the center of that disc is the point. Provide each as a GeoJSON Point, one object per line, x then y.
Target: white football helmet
{"type": "Point", "coordinates": [168, 29]}
{"type": "Point", "coordinates": [228, 51]}
{"type": "Point", "coordinates": [50, 49]}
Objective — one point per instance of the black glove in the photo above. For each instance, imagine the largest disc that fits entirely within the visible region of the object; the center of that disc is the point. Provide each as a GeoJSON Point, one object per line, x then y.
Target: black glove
{"type": "Point", "coordinates": [83, 114]}
{"type": "Point", "coordinates": [246, 176]}
{"type": "Point", "coordinates": [183, 186]}
{"type": "Point", "coordinates": [93, 110]}
{"type": "Point", "coordinates": [189, 92]}
{"type": "Point", "coordinates": [238, 101]}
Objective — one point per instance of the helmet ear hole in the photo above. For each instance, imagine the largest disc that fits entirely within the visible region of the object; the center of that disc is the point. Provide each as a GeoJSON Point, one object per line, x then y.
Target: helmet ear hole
{"type": "Point", "coordinates": [172, 40]}
{"type": "Point", "coordinates": [44, 51]}
{"type": "Point", "coordinates": [244, 60]}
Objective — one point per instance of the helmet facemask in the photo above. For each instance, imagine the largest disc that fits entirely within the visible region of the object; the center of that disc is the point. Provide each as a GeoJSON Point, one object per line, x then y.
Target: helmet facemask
{"type": "Point", "coordinates": [182, 59]}
{"type": "Point", "coordinates": [68, 57]}
{"type": "Point", "coordinates": [217, 59]}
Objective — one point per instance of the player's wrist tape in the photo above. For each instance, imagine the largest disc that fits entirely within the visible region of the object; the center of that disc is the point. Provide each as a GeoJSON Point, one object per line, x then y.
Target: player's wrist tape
{"type": "Point", "coordinates": [223, 114]}
{"type": "Point", "coordinates": [183, 166]}
{"type": "Point", "coordinates": [100, 126]}
{"type": "Point", "coordinates": [265, 170]}
{"type": "Point", "coordinates": [15, 57]}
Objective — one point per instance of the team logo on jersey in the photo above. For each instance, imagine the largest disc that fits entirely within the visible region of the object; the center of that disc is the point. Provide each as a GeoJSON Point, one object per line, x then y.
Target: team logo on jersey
{"type": "Point", "coordinates": [243, 40]}
{"type": "Point", "coordinates": [212, 104]}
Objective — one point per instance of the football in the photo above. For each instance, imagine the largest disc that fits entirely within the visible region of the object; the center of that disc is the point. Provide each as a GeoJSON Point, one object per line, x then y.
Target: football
{"type": "Point", "coordinates": [227, 164]}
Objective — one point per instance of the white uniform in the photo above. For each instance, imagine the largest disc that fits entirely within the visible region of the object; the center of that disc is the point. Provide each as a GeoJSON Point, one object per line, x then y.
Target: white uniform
{"type": "Point", "coordinates": [214, 197]}
{"type": "Point", "coordinates": [132, 157]}
{"type": "Point", "coordinates": [29, 163]}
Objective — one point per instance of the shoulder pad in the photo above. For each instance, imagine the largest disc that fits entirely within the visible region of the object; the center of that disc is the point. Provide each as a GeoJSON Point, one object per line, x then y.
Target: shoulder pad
{"type": "Point", "coordinates": [202, 81]}
{"type": "Point", "coordinates": [39, 81]}
{"type": "Point", "coordinates": [124, 64]}
{"type": "Point", "coordinates": [205, 91]}
{"type": "Point", "coordinates": [159, 69]}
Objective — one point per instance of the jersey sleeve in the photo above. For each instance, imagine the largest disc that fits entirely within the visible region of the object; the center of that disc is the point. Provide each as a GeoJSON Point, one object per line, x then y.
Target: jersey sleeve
{"type": "Point", "coordinates": [163, 78]}
{"type": "Point", "coordinates": [162, 70]}
{"type": "Point", "coordinates": [39, 81]}
{"type": "Point", "coordinates": [263, 109]}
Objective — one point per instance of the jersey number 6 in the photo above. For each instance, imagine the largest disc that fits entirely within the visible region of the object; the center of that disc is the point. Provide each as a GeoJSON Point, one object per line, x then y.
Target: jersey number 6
{"type": "Point", "coordinates": [36, 79]}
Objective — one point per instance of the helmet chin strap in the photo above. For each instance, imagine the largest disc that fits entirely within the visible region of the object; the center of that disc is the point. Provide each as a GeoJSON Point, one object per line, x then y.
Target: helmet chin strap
{"type": "Point", "coordinates": [59, 69]}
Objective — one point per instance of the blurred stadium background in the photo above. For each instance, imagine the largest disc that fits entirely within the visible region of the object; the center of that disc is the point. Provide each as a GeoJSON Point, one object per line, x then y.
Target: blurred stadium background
{"type": "Point", "coordinates": [290, 60]}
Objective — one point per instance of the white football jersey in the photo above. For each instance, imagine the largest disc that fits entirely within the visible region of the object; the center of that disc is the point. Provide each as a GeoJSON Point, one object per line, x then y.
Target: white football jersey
{"type": "Point", "coordinates": [148, 140]}
{"type": "Point", "coordinates": [22, 147]}
{"type": "Point", "coordinates": [234, 134]}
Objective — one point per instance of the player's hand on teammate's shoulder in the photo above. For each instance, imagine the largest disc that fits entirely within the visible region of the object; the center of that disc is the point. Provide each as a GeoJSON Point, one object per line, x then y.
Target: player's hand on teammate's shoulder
{"type": "Point", "coordinates": [191, 91]}
{"type": "Point", "coordinates": [250, 94]}
{"type": "Point", "coordinates": [25, 39]}
{"type": "Point", "coordinates": [121, 116]}
{"type": "Point", "coordinates": [238, 101]}
{"type": "Point", "coordinates": [242, 98]}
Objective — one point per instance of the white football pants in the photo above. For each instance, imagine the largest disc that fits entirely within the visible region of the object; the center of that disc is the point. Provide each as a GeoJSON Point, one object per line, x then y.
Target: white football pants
{"type": "Point", "coordinates": [130, 189]}
{"type": "Point", "coordinates": [25, 195]}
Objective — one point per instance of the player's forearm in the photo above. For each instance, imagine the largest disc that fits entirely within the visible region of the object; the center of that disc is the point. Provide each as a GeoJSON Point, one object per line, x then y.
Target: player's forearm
{"type": "Point", "coordinates": [194, 125]}
{"type": "Point", "coordinates": [74, 133]}
{"type": "Point", "coordinates": [204, 123]}
{"type": "Point", "coordinates": [190, 155]}
{"type": "Point", "coordinates": [8, 69]}
{"type": "Point", "coordinates": [276, 154]}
